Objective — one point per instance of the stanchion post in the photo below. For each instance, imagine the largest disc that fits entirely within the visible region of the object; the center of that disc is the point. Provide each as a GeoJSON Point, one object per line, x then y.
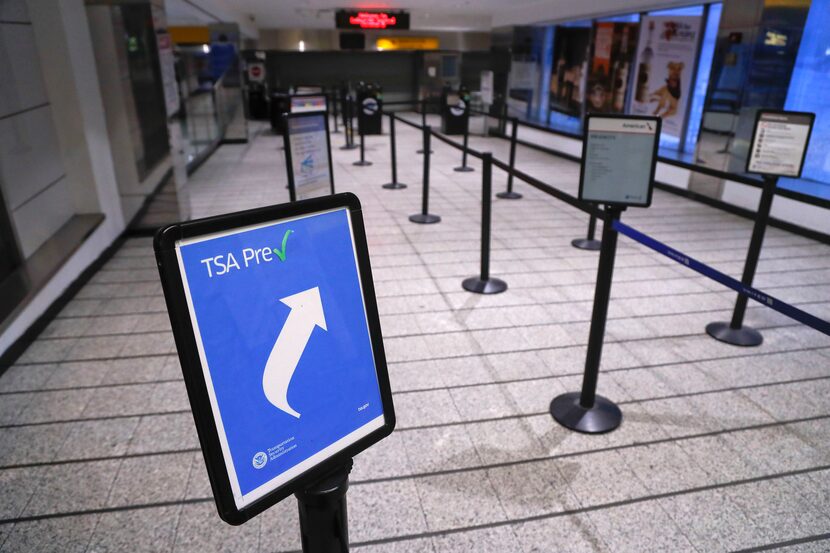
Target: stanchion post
{"type": "Point", "coordinates": [586, 411]}
{"type": "Point", "coordinates": [484, 284]}
{"type": "Point", "coordinates": [348, 125]}
{"type": "Point", "coordinates": [423, 121]}
{"type": "Point", "coordinates": [394, 185]}
{"type": "Point", "coordinates": [334, 106]}
{"type": "Point", "coordinates": [588, 243]}
{"type": "Point", "coordinates": [324, 522]}
{"type": "Point", "coordinates": [509, 194]}
{"type": "Point", "coordinates": [734, 332]}
{"type": "Point", "coordinates": [425, 217]}
{"type": "Point", "coordinates": [464, 168]}
{"type": "Point", "coordinates": [362, 162]}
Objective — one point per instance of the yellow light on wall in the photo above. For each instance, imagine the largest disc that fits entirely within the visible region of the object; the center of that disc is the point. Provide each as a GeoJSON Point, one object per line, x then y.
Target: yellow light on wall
{"type": "Point", "coordinates": [407, 43]}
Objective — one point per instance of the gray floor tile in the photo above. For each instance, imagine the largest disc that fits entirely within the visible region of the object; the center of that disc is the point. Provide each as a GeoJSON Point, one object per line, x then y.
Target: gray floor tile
{"type": "Point", "coordinates": [624, 528]}
{"type": "Point", "coordinates": [59, 535]}
{"type": "Point", "coordinates": [139, 530]}
{"type": "Point", "coordinates": [459, 500]}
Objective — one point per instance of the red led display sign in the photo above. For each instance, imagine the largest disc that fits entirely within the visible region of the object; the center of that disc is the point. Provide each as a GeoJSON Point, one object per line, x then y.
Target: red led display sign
{"type": "Point", "coordinates": [360, 19]}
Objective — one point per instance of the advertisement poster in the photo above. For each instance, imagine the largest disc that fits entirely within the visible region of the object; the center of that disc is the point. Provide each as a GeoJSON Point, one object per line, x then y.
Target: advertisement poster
{"type": "Point", "coordinates": [665, 62]}
{"type": "Point", "coordinates": [570, 68]}
{"type": "Point", "coordinates": [614, 45]}
{"type": "Point", "coordinates": [309, 154]}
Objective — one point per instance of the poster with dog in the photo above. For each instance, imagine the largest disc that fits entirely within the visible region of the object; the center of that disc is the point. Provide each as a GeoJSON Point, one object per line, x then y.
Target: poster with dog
{"type": "Point", "coordinates": [665, 65]}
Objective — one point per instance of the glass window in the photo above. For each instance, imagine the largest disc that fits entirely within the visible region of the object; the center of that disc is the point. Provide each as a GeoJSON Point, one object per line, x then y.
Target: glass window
{"type": "Point", "coordinates": [707, 53]}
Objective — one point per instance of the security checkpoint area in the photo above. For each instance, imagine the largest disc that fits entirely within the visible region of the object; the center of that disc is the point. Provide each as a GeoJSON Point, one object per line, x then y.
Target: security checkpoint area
{"type": "Point", "coordinates": [392, 323]}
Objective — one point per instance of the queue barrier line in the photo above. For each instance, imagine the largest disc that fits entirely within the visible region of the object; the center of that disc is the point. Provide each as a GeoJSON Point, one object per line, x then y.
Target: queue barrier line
{"type": "Point", "coordinates": [761, 297]}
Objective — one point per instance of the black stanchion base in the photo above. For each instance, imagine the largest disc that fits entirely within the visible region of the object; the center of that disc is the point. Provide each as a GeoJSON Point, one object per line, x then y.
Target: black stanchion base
{"type": "Point", "coordinates": [479, 286]}
{"type": "Point", "coordinates": [394, 186]}
{"type": "Point", "coordinates": [464, 169]}
{"type": "Point", "coordinates": [421, 151]}
{"type": "Point", "coordinates": [425, 218]}
{"type": "Point", "coordinates": [350, 147]}
{"type": "Point", "coordinates": [362, 163]}
{"type": "Point", "coordinates": [744, 336]}
{"type": "Point", "coordinates": [603, 417]}
{"type": "Point", "coordinates": [585, 244]}
{"type": "Point", "coordinates": [509, 195]}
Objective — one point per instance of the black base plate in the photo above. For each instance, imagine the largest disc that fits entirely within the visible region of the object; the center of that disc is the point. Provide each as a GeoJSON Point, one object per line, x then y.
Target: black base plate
{"type": "Point", "coordinates": [464, 169]}
{"type": "Point", "coordinates": [744, 336]}
{"type": "Point", "coordinates": [425, 218]}
{"type": "Point", "coordinates": [509, 195]}
{"type": "Point", "coordinates": [362, 163]}
{"type": "Point", "coordinates": [347, 147]}
{"type": "Point", "coordinates": [603, 417]}
{"type": "Point", "coordinates": [394, 186]}
{"type": "Point", "coordinates": [479, 286]}
{"type": "Point", "coordinates": [585, 244]}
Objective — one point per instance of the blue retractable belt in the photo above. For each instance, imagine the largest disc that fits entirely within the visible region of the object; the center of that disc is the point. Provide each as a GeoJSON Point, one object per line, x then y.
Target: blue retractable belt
{"type": "Point", "coordinates": [759, 296]}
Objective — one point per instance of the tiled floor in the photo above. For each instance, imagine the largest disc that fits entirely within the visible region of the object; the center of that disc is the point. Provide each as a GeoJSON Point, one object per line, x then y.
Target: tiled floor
{"type": "Point", "coordinates": [721, 448]}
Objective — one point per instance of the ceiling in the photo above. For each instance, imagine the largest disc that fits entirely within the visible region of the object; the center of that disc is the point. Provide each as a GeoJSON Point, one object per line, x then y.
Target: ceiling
{"type": "Point", "coordinates": [437, 15]}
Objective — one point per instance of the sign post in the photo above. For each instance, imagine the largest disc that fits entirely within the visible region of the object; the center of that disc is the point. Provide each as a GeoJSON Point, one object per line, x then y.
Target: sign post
{"type": "Point", "coordinates": [779, 146]}
{"type": "Point", "coordinates": [274, 315]}
{"type": "Point", "coordinates": [308, 154]}
{"type": "Point", "coordinates": [619, 158]}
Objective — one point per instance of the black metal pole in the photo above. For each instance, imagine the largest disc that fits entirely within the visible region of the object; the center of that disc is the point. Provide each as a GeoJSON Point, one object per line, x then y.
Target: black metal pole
{"type": "Point", "coordinates": [586, 411]}
{"type": "Point", "coordinates": [735, 332]}
{"type": "Point", "coordinates": [464, 168]}
{"type": "Point", "coordinates": [334, 105]}
{"type": "Point", "coordinates": [483, 284]}
{"type": "Point", "coordinates": [324, 522]}
{"type": "Point", "coordinates": [423, 121]}
{"type": "Point", "coordinates": [348, 125]}
{"type": "Point", "coordinates": [509, 194]}
{"type": "Point", "coordinates": [394, 185]}
{"type": "Point", "coordinates": [425, 217]}
{"type": "Point", "coordinates": [588, 243]}
{"type": "Point", "coordinates": [362, 162]}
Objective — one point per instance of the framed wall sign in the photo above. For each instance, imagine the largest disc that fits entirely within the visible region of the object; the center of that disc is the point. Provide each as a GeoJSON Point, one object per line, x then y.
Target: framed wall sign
{"type": "Point", "coordinates": [276, 325]}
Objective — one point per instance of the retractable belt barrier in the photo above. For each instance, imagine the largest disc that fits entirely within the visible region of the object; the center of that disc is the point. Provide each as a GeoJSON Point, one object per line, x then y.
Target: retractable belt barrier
{"type": "Point", "coordinates": [761, 297]}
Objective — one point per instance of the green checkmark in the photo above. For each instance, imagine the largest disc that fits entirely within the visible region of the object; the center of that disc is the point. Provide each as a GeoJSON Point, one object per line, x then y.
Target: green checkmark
{"type": "Point", "coordinates": [281, 252]}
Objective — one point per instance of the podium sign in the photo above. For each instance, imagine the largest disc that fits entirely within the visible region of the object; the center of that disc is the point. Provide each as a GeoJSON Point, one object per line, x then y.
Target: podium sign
{"type": "Point", "coordinates": [779, 143]}
{"type": "Point", "coordinates": [302, 103]}
{"type": "Point", "coordinates": [277, 329]}
{"type": "Point", "coordinates": [619, 158]}
{"type": "Point", "coordinates": [308, 155]}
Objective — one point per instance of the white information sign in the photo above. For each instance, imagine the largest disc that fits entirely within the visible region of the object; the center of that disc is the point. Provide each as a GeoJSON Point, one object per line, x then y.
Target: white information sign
{"type": "Point", "coordinates": [256, 72]}
{"type": "Point", "coordinates": [309, 152]}
{"type": "Point", "coordinates": [779, 143]}
{"type": "Point", "coordinates": [302, 104]}
{"type": "Point", "coordinates": [487, 87]}
{"type": "Point", "coordinates": [619, 156]}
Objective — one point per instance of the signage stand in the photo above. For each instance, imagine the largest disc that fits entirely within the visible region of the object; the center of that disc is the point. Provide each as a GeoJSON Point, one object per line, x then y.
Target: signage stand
{"type": "Point", "coordinates": [324, 522]}
{"type": "Point", "coordinates": [309, 151]}
{"type": "Point", "coordinates": [778, 148]}
{"type": "Point", "coordinates": [586, 411]}
{"type": "Point", "coordinates": [619, 159]}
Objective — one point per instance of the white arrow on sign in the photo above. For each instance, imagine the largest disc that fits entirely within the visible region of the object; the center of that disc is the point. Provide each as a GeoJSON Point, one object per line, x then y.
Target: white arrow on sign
{"type": "Point", "coordinates": [306, 313]}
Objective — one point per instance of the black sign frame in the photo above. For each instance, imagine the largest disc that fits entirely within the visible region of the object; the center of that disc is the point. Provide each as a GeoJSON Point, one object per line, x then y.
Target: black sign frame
{"type": "Point", "coordinates": [810, 115]}
{"type": "Point", "coordinates": [164, 245]}
{"type": "Point", "coordinates": [289, 167]}
{"type": "Point", "coordinates": [586, 126]}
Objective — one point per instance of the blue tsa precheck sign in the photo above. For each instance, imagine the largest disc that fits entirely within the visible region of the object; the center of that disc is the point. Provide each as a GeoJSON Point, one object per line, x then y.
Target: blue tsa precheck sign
{"type": "Point", "coordinates": [277, 330]}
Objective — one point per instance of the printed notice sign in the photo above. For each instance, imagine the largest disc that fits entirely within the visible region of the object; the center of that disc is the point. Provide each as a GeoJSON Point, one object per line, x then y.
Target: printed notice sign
{"type": "Point", "coordinates": [302, 104]}
{"type": "Point", "coordinates": [309, 154]}
{"type": "Point", "coordinates": [618, 159]}
{"type": "Point", "coordinates": [779, 143]}
{"type": "Point", "coordinates": [286, 371]}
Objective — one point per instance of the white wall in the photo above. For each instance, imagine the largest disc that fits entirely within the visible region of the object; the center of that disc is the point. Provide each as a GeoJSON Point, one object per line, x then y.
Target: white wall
{"type": "Point", "coordinates": [32, 174]}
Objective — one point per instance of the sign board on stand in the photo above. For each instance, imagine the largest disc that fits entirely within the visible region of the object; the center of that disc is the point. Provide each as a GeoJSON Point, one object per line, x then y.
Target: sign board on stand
{"type": "Point", "coordinates": [619, 157]}
{"type": "Point", "coordinates": [779, 143]}
{"type": "Point", "coordinates": [301, 103]}
{"type": "Point", "coordinates": [487, 88]}
{"type": "Point", "coordinates": [256, 72]}
{"type": "Point", "coordinates": [308, 154]}
{"type": "Point", "coordinates": [276, 324]}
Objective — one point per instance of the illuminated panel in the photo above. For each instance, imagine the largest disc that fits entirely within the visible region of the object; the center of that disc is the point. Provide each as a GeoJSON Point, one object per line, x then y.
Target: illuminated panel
{"type": "Point", "coordinates": [354, 19]}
